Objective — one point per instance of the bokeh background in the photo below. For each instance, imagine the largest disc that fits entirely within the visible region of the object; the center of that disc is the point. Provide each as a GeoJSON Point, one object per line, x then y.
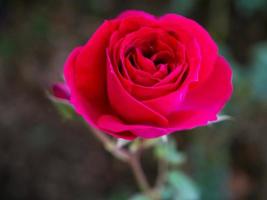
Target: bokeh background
{"type": "Point", "coordinates": [46, 157]}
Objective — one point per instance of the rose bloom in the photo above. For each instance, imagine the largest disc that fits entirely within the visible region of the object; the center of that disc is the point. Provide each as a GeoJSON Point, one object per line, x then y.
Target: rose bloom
{"type": "Point", "coordinates": [146, 76]}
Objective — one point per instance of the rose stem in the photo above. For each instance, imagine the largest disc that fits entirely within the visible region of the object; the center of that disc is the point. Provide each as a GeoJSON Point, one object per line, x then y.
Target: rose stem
{"type": "Point", "coordinates": [133, 159]}
{"type": "Point", "coordinates": [139, 174]}
{"type": "Point", "coordinates": [162, 170]}
{"type": "Point", "coordinates": [110, 146]}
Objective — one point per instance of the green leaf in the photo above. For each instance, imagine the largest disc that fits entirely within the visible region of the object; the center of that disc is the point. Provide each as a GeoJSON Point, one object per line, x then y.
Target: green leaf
{"type": "Point", "coordinates": [139, 197]}
{"type": "Point", "coordinates": [184, 187]}
{"type": "Point", "coordinates": [168, 152]}
{"type": "Point", "coordinates": [247, 7]}
{"type": "Point", "coordinates": [167, 192]}
{"type": "Point", "coordinates": [259, 66]}
{"type": "Point", "coordinates": [64, 108]}
{"type": "Point", "coordinates": [182, 6]}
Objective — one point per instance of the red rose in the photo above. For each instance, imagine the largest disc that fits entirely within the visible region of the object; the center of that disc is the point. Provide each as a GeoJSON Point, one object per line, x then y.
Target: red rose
{"type": "Point", "coordinates": [146, 76]}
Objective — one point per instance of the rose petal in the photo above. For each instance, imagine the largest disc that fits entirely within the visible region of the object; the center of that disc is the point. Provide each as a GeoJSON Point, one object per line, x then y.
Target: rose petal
{"type": "Point", "coordinates": [137, 14]}
{"type": "Point", "coordinates": [138, 76]}
{"type": "Point", "coordinates": [121, 101]}
{"type": "Point", "coordinates": [61, 91]}
{"type": "Point", "coordinates": [69, 67]}
{"type": "Point", "coordinates": [84, 73]}
{"type": "Point", "coordinates": [91, 65]}
{"type": "Point", "coordinates": [209, 50]}
{"type": "Point", "coordinates": [169, 103]}
{"type": "Point", "coordinates": [162, 71]}
{"type": "Point", "coordinates": [112, 124]}
{"type": "Point", "coordinates": [144, 63]}
{"type": "Point", "coordinates": [206, 99]}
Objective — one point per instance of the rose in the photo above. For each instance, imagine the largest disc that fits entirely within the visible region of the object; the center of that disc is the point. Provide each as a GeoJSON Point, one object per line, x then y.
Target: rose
{"type": "Point", "coordinates": [143, 76]}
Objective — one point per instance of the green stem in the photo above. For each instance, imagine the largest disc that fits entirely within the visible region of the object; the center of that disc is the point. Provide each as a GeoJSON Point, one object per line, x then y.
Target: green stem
{"type": "Point", "coordinates": [139, 173]}
{"type": "Point", "coordinates": [133, 159]}
{"type": "Point", "coordinates": [162, 170]}
{"type": "Point", "coordinates": [110, 146]}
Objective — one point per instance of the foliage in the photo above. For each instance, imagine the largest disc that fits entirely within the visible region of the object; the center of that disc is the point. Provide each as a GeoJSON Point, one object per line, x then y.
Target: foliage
{"type": "Point", "coordinates": [248, 8]}
{"type": "Point", "coordinates": [167, 151]}
{"type": "Point", "coordinates": [64, 108]}
{"type": "Point", "coordinates": [180, 187]}
{"type": "Point", "coordinates": [259, 66]}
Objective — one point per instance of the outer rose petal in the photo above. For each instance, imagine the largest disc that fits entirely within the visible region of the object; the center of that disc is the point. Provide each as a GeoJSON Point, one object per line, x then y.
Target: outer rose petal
{"type": "Point", "coordinates": [130, 21]}
{"type": "Point", "coordinates": [69, 67]}
{"type": "Point", "coordinates": [84, 75]}
{"type": "Point", "coordinates": [206, 99]}
{"type": "Point", "coordinates": [90, 69]}
{"type": "Point", "coordinates": [208, 47]}
{"type": "Point", "coordinates": [61, 91]}
{"type": "Point", "coordinates": [111, 123]}
{"type": "Point", "coordinates": [84, 72]}
{"type": "Point", "coordinates": [137, 14]}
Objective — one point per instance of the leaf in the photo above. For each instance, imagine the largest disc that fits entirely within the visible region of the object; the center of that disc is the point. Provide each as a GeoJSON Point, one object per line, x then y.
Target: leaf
{"type": "Point", "coordinates": [259, 66]}
{"type": "Point", "coordinates": [247, 7]}
{"type": "Point", "coordinates": [168, 152]}
{"type": "Point", "coordinates": [63, 107]}
{"type": "Point", "coordinates": [139, 197]}
{"type": "Point", "coordinates": [184, 187]}
{"type": "Point", "coordinates": [167, 192]}
{"type": "Point", "coordinates": [182, 6]}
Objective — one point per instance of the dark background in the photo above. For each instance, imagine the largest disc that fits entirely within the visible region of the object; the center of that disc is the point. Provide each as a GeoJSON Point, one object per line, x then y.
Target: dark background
{"type": "Point", "coordinates": [46, 157]}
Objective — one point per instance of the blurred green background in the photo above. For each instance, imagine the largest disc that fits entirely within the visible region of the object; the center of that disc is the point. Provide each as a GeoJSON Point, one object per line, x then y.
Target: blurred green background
{"type": "Point", "coordinates": [46, 157]}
